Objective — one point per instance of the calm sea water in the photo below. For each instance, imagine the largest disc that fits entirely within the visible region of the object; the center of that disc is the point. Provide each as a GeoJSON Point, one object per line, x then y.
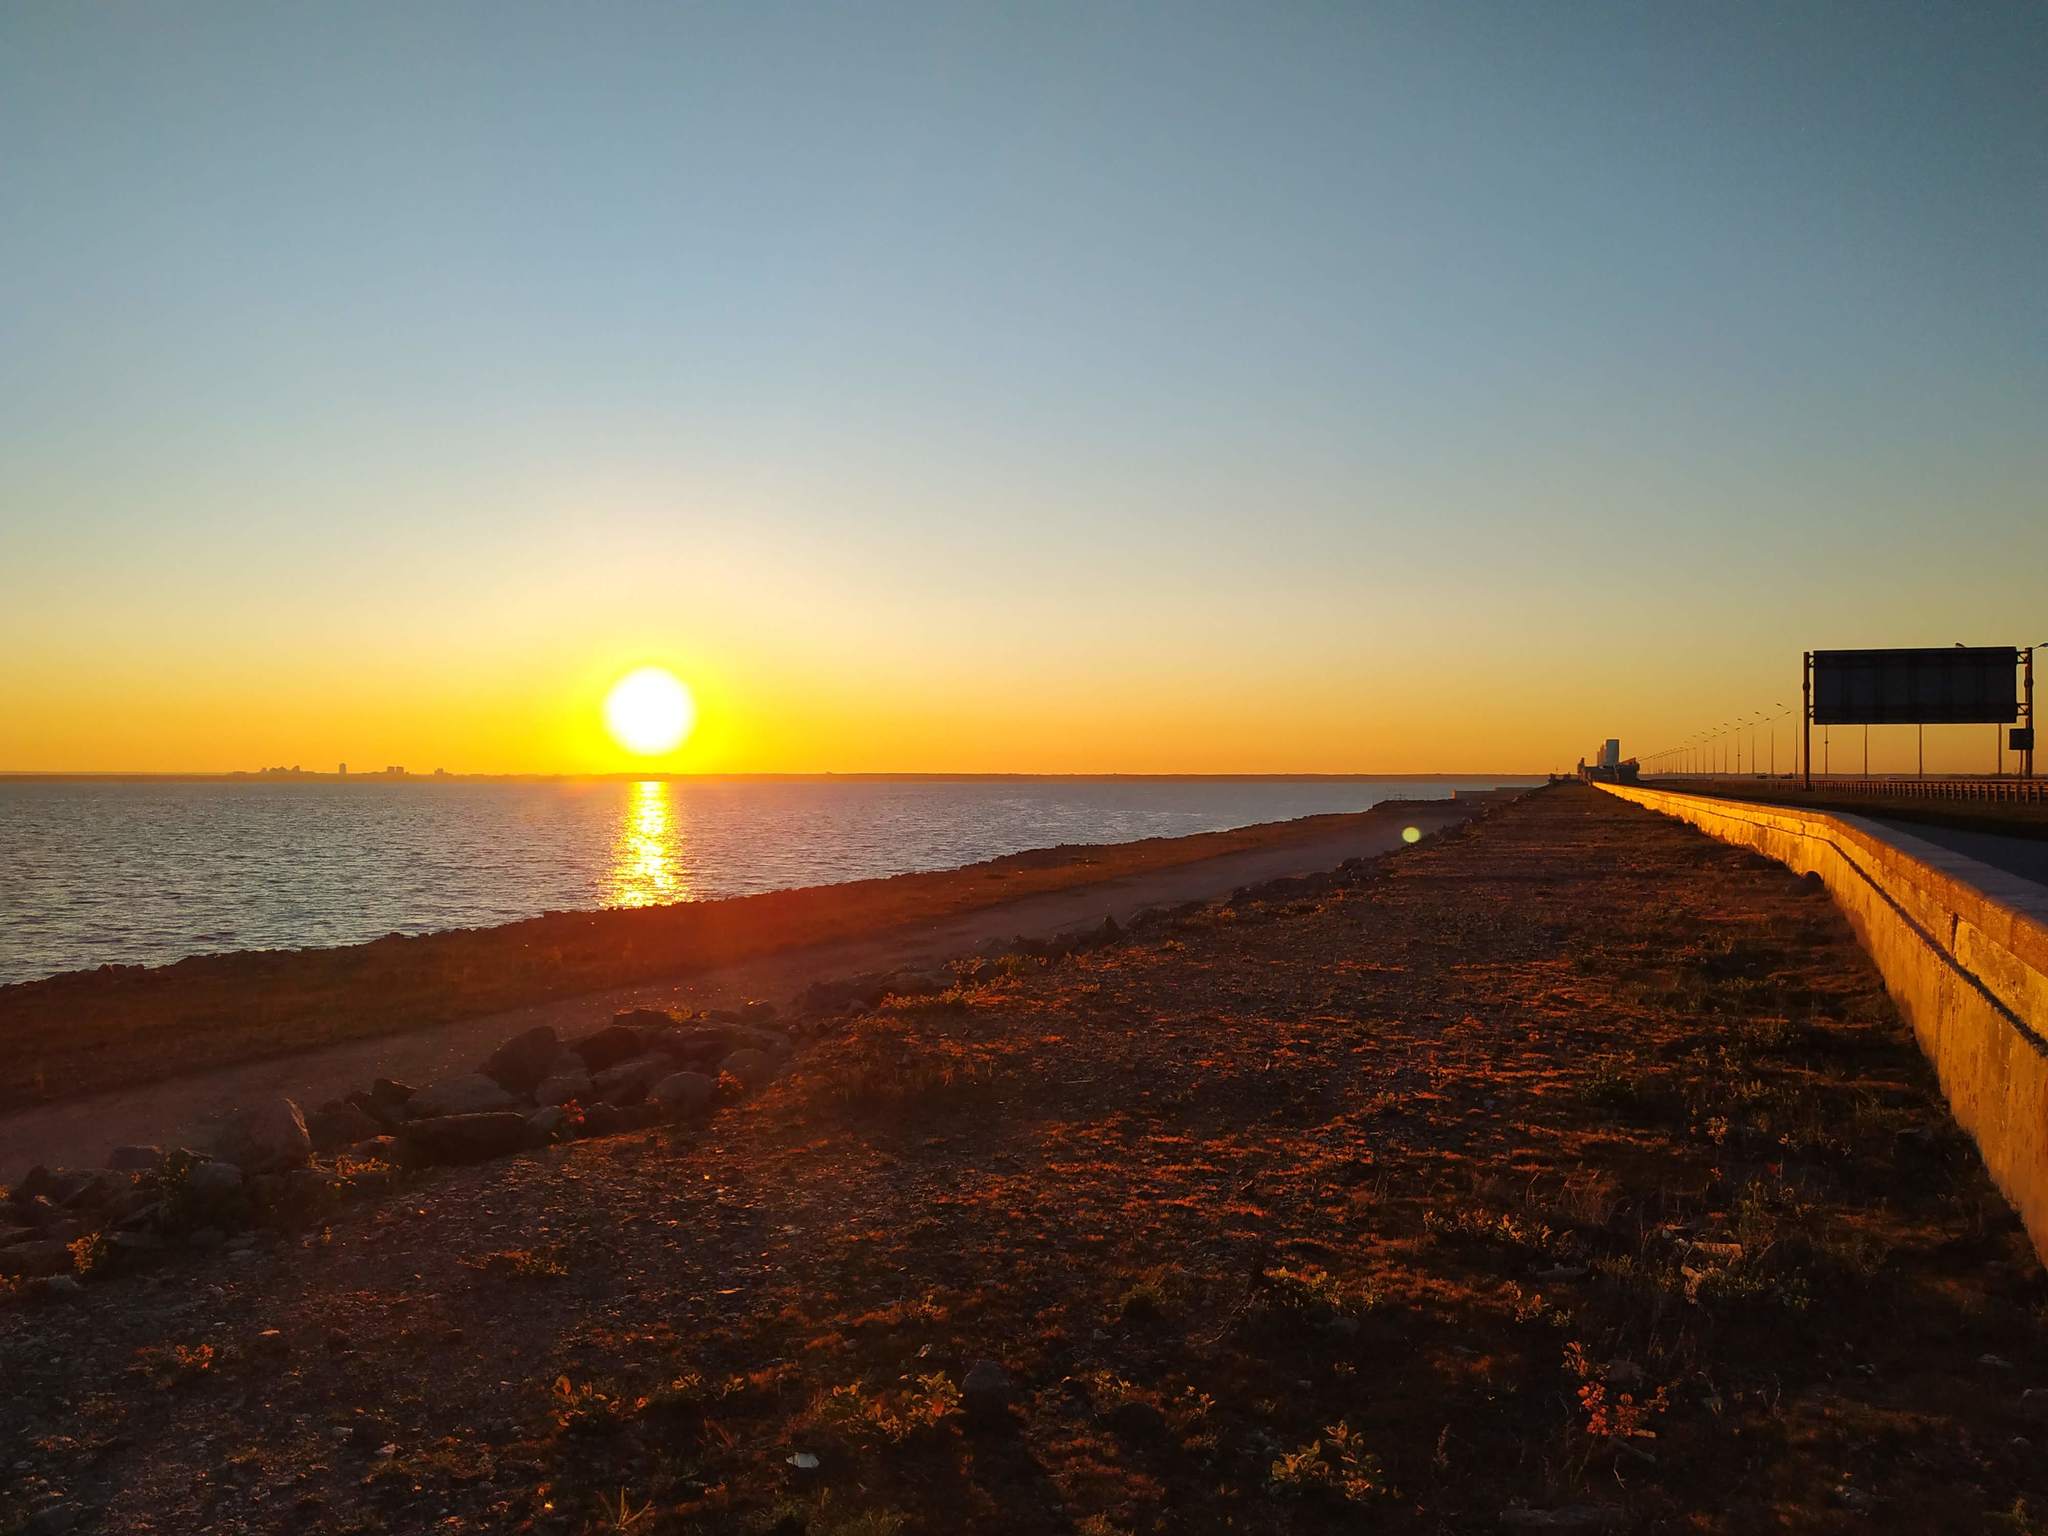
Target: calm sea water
{"type": "Point", "coordinates": [111, 872]}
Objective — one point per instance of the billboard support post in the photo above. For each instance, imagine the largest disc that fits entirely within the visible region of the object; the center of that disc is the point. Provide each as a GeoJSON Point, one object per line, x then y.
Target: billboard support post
{"type": "Point", "coordinates": [1806, 714]}
{"type": "Point", "coordinates": [2028, 771]}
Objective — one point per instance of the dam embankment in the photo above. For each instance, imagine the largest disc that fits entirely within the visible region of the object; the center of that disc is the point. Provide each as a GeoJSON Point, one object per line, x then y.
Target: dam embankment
{"type": "Point", "coordinates": [1962, 947]}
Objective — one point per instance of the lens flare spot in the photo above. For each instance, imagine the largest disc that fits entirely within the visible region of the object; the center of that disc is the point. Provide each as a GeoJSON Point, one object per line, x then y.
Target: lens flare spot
{"type": "Point", "coordinates": [1411, 834]}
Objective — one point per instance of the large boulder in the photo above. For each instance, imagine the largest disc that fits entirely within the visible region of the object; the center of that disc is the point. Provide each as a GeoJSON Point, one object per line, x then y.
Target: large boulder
{"type": "Point", "coordinates": [521, 1062]}
{"type": "Point", "coordinates": [44, 1256]}
{"type": "Point", "coordinates": [628, 1082]}
{"type": "Point", "coordinates": [134, 1159]}
{"type": "Point", "coordinates": [388, 1097]}
{"type": "Point", "coordinates": [918, 983]}
{"type": "Point", "coordinates": [340, 1124]}
{"type": "Point", "coordinates": [684, 1093]}
{"type": "Point", "coordinates": [265, 1137]}
{"type": "Point", "coordinates": [563, 1087]}
{"type": "Point", "coordinates": [698, 1042]}
{"type": "Point", "coordinates": [644, 1018]}
{"type": "Point", "coordinates": [100, 1191]}
{"type": "Point", "coordinates": [773, 1041]}
{"type": "Point", "coordinates": [470, 1094]}
{"type": "Point", "coordinates": [377, 1149]}
{"type": "Point", "coordinates": [608, 1047]}
{"type": "Point", "coordinates": [465, 1138]}
{"type": "Point", "coordinates": [843, 994]}
{"type": "Point", "coordinates": [213, 1181]}
{"type": "Point", "coordinates": [56, 1185]}
{"type": "Point", "coordinates": [752, 1067]}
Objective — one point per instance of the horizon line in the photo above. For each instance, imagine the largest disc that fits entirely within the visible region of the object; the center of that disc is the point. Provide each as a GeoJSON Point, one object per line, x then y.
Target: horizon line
{"type": "Point", "coordinates": [630, 775]}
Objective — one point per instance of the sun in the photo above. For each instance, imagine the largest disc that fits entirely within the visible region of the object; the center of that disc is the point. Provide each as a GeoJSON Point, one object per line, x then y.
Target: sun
{"type": "Point", "coordinates": [649, 711]}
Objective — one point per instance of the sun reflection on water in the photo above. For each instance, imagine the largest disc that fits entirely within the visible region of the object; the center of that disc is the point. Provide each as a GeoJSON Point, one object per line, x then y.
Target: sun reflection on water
{"type": "Point", "coordinates": [647, 865]}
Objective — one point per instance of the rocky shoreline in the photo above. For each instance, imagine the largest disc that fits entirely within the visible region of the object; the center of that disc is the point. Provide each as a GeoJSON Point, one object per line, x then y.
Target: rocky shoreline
{"type": "Point", "coordinates": [275, 1165]}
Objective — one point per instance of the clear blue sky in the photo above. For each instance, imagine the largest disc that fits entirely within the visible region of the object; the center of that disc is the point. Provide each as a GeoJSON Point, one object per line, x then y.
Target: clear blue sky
{"type": "Point", "coordinates": [1500, 376]}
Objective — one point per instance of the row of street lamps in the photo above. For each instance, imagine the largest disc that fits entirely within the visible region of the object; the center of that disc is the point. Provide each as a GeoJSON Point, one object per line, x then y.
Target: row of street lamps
{"type": "Point", "coordinates": [1717, 749]}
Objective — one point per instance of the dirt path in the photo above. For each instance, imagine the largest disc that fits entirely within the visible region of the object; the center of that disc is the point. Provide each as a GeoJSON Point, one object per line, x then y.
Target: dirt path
{"type": "Point", "coordinates": [79, 1132]}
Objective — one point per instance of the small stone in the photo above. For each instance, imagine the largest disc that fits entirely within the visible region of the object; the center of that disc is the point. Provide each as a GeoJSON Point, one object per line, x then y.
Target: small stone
{"type": "Point", "coordinates": [545, 1125]}
{"type": "Point", "coordinates": [1573, 1517]}
{"type": "Point", "coordinates": [1994, 1362]}
{"type": "Point", "coordinates": [59, 1287]}
{"type": "Point", "coordinates": [985, 1393]}
{"type": "Point", "coordinates": [135, 1159]}
{"type": "Point", "coordinates": [2034, 1401]}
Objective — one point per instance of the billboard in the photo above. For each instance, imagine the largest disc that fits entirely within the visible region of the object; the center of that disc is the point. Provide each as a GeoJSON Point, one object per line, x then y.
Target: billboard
{"type": "Point", "coordinates": [1947, 685]}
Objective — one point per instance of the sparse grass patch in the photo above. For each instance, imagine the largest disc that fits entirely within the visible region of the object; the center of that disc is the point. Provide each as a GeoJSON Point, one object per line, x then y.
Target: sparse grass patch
{"type": "Point", "coordinates": [1504, 1229]}
{"type": "Point", "coordinates": [1313, 1296]}
{"type": "Point", "coordinates": [1621, 1089]}
{"type": "Point", "coordinates": [169, 1367]}
{"type": "Point", "coordinates": [92, 1255]}
{"type": "Point", "coordinates": [1337, 1465]}
{"type": "Point", "coordinates": [921, 1403]}
{"type": "Point", "coordinates": [885, 1066]}
{"type": "Point", "coordinates": [592, 1408]}
{"type": "Point", "coordinates": [518, 1263]}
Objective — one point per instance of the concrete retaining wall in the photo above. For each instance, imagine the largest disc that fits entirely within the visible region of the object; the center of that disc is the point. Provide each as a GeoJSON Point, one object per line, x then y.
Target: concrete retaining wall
{"type": "Point", "coordinates": [1963, 949]}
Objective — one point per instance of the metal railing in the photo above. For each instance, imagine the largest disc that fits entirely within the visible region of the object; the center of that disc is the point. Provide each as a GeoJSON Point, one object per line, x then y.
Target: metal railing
{"type": "Point", "coordinates": [2007, 791]}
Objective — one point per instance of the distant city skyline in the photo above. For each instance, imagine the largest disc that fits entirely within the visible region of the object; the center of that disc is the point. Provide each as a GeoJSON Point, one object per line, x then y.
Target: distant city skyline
{"type": "Point", "coordinates": [1384, 388]}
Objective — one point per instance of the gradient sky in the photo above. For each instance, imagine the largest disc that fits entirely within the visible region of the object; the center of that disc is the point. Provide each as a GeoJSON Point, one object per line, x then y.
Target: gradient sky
{"type": "Point", "coordinates": [961, 387]}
